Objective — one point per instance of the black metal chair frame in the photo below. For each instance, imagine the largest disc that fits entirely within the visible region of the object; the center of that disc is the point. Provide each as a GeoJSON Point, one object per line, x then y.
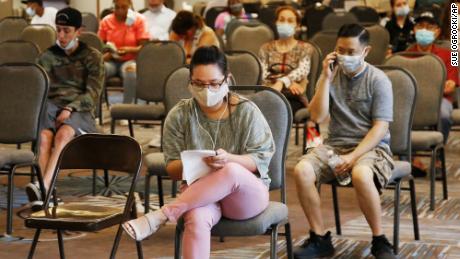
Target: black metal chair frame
{"type": "Point", "coordinates": [129, 211]}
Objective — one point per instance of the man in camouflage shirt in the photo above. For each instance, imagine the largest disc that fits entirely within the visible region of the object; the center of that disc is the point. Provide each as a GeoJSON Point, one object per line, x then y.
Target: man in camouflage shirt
{"type": "Point", "coordinates": [76, 74]}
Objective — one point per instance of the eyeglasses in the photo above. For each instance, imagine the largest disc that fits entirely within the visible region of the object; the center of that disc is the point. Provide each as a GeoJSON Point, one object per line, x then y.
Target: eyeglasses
{"type": "Point", "coordinates": [213, 86]}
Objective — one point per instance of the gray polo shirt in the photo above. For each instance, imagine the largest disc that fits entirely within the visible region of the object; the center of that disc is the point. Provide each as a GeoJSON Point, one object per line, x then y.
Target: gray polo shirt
{"type": "Point", "coordinates": [354, 103]}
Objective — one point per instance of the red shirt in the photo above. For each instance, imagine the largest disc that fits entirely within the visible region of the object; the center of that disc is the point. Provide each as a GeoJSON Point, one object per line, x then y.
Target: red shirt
{"type": "Point", "coordinates": [122, 35]}
{"type": "Point", "coordinates": [444, 55]}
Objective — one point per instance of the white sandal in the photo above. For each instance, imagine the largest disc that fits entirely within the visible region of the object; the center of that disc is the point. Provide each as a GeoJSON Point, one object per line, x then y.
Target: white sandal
{"type": "Point", "coordinates": [145, 226]}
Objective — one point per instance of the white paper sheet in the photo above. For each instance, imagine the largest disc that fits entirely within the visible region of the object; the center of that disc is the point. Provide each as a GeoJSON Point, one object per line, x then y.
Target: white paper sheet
{"type": "Point", "coordinates": [193, 165]}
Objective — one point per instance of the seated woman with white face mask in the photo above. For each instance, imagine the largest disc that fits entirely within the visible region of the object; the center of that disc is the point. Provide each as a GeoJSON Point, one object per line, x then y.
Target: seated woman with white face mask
{"type": "Point", "coordinates": [286, 61]}
{"type": "Point", "coordinates": [215, 119]}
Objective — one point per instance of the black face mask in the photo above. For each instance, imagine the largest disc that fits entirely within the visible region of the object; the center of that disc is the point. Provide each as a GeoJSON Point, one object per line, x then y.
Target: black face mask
{"type": "Point", "coordinates": [236, 8]}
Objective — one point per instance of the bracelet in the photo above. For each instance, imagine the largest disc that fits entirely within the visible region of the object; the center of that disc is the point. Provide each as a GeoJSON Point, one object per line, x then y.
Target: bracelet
{"type": "Point", "coordinates": [68, 109]}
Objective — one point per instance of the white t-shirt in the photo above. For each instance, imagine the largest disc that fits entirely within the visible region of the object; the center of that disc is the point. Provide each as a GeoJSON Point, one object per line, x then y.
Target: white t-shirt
{"type": "Point", "coordinates": [158, 22]}
{"type": "Point", "coordinates": [48, 17]}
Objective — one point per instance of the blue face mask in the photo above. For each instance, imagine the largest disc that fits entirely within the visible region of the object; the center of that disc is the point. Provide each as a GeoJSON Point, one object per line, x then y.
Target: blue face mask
{"type": "Point", "coordinates": [424, 37]}
{"type": "Point", "coordinates": [30, 12]}
{"type": "Point", "coordinates": [402, 11]}
{"type": "Point", "coordinates": [130, 17]}
{"type": "Point", "coordinates": [285, 30]}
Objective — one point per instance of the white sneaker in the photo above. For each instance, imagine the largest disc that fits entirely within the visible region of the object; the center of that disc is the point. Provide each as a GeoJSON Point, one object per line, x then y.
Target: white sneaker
{"type": "Point", "coordinates": [156, 141]}
{"type": "Point", "coordinates": [123, 122]}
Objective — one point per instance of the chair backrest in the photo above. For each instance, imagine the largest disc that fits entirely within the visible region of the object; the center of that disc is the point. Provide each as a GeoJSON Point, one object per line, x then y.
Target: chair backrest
{"type": "Point", "coordinates": [365, 14]}
{"type": "Point", "coordinates": [176, 87]}
{"type": "Point", "coordinates": [315, 69]}
{"type": "Point", "coordinates": [259, 35]}
{"type": "Point", "coordinates": [325, 40]}
{"type": "Point", "coordinates": [24, 88]}
{"type": "Point", "coordinates": [334, 21]}
{"type": "Point", "coordinates": [277, 112]}
{"type": "Point", "coordinates": [379, 41]}
{"type": "Point", "coordinates": [91, 39]}
{"type": "Point", "coordinates": [155, 61]}
{"type": "Point", "coordinates": [41, 34]}
{"type": "Point", "coordinates": [18, 51]}
{"type": "Point", "coordinates": [313, 18]}
{"type": "Point", "coordinates": [90, 22]}
{"type": "Point", "coordinates": [404, 97]}
{"type": "Point", "coordinates": [11, 28]}
{"type": "Point", "coordinates": [235, 23]}
{"type": "Point", "coordinates": [430, 73]}
{"type": "Point", "coordinates": [211, 15]}
{"type": "Point", "coordinates": [245, 67]}
{"type": "Point", "coordinates": [99, 151]}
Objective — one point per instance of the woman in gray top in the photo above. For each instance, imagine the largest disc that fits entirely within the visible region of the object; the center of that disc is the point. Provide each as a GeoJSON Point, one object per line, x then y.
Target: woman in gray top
{"type": "Point", "coordinates": [237, 187]}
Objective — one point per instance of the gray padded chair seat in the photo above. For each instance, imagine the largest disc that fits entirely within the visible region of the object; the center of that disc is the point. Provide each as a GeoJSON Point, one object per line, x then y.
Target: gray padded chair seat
{"type": "Point", "coordinates": [425, 140]}
{"type": "Point", "coordinates": [456, 116]}
{"type": "Point", "coordinates": [15, 156]}
{"type": "Point", "coordinates": [302, 115]}
{"type": "Point", "coordinates": [137, 112]}
{"type": "Point", "coordinates": [155, 162]}
{"type": "Point", "coordinates": [258, 225]}
{"type": "Point", "coordinates": [402, 169]}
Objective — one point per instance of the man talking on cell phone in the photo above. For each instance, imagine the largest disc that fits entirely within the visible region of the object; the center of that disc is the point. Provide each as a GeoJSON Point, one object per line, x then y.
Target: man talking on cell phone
{"type": "Point", "coordinates": [359, 100]}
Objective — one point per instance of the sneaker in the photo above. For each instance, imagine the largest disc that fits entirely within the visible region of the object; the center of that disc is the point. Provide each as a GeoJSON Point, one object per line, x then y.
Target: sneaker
{"type": "Point", "coordinates": [38, 205]}
{"type": "Point", "coordinates": [33, 192]}
{"type": "Point", "coordinates": [381, 248]}
{"type": "Point", "coordinates": [315, 246]}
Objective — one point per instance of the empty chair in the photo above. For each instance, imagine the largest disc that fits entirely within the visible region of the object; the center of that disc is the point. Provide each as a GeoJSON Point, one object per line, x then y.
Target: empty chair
{"type": "Point", "coordinates": [365, 14]}
{"type": "Point", "coordinates": [87, 152]}
{"type": "Point", "coordinates": [24, 88]}
{"type": "Point", "coordinates": [325, 40]}
{"type": "Point", "coordinates": [155, 61]}
{"type": "Point", "coordinates": [277, 112]}
{"type": "Point", "coordinates": [91, 39]}
{"type": "Point", "coordinates": [313, 18]}
{"type": "Point", "coordinates": [18, 51]}
{"type": "Point", "coordinates": [258, 35]}
{"type": "Point", "coordinates": [176, 88]}
{"type": "Point", "coordinates": [404, 99]}
{"type": "Point", "coordinates": [430, 73]}
{"type": "Point", "coordinates": [235, 23]}
{"type": "Point", "coordinates": [379, 40]}
{"type": "Point", "coordinates": [334, 21]}
{"type": "Point", "coordinates": [90, 23]}
{"type": "Point", "coordinates": [41, 34]}
{"type": "Point", "coordinates": [245, 67]}
{"type": "Point", "coordinates": [11, 28]}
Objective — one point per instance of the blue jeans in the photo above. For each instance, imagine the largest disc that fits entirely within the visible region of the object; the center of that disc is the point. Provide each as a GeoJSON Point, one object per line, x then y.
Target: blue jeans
{"type": "Point", "coordinates": [446, 120]}
{"type": "Point", "coordinates": [113, 68]}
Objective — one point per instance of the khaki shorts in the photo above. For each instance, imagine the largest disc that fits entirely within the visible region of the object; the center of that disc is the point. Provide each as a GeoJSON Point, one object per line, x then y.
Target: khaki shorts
{"type": "Point", "coordinates": [380, 162]}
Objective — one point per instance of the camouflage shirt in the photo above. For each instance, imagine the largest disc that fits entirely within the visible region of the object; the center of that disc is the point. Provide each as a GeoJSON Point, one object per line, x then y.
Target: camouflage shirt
{"type": "Point", "coordinates": [75, 80]}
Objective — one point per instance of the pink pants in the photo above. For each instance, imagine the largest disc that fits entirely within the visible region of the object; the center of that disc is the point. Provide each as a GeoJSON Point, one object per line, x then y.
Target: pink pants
{"type": "Point", "coordinates": [232, 191]}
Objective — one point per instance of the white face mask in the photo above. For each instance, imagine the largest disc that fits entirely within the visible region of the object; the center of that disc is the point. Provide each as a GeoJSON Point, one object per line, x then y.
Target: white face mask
{"type": "Point", "coordinates": [130, 17]}
{"type": "Point", "coordinates": [69, 46]}
{"type": "Point", "coordinates": [209, 98]}
{"type": "Point", "coordinates": [350, 64]}
{"type": "Point", "coordinates": [30, 12]}
{"type": "Point", "coordinates": [402, 11]}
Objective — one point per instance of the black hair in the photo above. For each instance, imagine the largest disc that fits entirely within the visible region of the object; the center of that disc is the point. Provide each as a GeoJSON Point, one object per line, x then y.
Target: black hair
{"type": "Point", "coordinates": [354, 30]}
{"type": "Point", "coordinates": [209, 55]}
{"type": "Point", "coordinates": [184, 21]}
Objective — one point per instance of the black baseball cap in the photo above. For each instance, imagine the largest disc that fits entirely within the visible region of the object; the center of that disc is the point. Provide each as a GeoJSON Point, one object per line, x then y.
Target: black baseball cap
{"type": "Point", "coordinates": [427, 16]}
{"type": "Point", "coordinates": [69, 17]}
{"type": "Point", "coordinates": [40, 2]}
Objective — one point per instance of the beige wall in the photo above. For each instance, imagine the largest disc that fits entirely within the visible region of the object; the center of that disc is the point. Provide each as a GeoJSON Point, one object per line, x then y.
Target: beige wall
{"type": "Point", "coordinates": [6, 8]}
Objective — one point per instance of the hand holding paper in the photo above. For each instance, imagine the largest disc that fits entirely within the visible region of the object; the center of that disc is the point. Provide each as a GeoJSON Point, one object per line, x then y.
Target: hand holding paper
{"type": "Point", "coordinates": [193, 164]}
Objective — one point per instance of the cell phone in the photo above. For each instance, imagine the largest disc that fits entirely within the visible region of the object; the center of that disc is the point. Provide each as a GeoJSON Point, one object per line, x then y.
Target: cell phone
{"type": "Point", "coordinates": [333, 64]}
